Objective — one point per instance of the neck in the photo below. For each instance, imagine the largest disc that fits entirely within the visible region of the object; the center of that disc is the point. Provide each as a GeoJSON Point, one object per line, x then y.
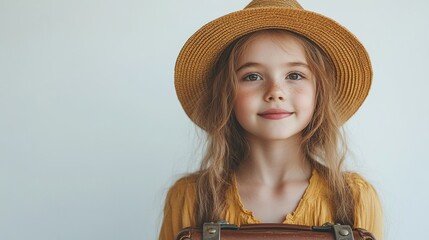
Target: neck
{"type": "Point", "coordinates": [274, 162]}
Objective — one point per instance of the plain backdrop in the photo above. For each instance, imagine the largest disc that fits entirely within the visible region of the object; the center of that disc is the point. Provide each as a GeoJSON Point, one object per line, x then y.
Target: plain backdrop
{"type": "Point", "coordinates": [92, 134]}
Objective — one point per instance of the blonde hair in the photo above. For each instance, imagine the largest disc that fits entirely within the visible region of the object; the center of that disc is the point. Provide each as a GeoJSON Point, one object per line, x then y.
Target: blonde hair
{"type": "Point", "coordinates": [323, 143]}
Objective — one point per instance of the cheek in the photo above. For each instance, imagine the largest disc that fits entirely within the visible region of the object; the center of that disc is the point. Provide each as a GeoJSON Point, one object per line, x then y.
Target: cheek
{"type": "Point", "coordinates": [244, 103]}
{"type": "Point", "coordinates": [244, 97]}
{"type": "Point", "coordinates": [305, 96]}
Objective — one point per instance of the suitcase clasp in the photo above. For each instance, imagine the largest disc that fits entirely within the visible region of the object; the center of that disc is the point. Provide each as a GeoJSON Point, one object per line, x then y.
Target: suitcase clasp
{"type": "Point", "coordinates": [211, 231]}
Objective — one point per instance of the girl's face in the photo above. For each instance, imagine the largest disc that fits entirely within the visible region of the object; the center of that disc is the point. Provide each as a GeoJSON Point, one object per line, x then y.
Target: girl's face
{"type": "Point", "coordinates": [275, 95]}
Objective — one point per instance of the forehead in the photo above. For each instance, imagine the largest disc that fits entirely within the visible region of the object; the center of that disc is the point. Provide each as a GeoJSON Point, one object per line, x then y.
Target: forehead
{"type": "Point", "coordinates": [264, 43]}
{"type": "Point", "coordinates": [274, 35]}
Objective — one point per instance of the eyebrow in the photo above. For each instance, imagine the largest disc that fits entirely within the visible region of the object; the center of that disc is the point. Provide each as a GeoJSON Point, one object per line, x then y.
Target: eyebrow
{"type": "Point", "coordinates": [252, 64]}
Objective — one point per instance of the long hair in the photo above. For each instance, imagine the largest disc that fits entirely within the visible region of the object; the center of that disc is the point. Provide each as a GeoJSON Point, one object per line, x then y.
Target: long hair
{"type": "Point", "coordinates": [322, 141]}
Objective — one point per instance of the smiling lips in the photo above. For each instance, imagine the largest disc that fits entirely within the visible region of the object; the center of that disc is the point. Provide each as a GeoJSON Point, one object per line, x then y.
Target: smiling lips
{"type": "Point", "coordinates": [275, 114]}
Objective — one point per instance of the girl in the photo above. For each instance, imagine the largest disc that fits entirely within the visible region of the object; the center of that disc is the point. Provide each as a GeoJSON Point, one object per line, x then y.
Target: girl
{"type": "Point", "coordinates": [271, 86]}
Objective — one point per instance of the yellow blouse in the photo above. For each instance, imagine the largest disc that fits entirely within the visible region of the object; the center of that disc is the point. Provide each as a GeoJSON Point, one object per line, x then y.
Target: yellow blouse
{"type": "Point", "coordinates": [313, 209]}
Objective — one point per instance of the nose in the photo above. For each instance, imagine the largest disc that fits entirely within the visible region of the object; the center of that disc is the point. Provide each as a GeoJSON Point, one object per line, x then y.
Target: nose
{"type": "Point", "coordinates": [274, 93]}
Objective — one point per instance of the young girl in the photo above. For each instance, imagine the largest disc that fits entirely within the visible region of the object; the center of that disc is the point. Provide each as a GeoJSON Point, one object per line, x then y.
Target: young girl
{"type": "Point", "coordinates": [271, 86]}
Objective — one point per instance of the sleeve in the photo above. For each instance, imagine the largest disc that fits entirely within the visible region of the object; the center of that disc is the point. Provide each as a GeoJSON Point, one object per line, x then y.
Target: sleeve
{"type": "Point", "coordinates": [368, 209]}
{"type": "Point", "coordinates": [178, 209]}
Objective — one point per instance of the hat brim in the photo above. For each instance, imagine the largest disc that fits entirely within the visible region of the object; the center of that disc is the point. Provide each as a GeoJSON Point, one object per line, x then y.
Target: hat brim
{"type": "Point", "coordinates": [203, 48]}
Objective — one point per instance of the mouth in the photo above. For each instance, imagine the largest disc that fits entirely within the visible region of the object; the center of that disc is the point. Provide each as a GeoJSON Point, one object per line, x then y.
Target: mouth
{"type": "Point", "coordinates": [275, 114]}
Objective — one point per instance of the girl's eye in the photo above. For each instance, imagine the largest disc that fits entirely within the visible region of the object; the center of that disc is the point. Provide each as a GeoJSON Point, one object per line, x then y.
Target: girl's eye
{"type": "Point", "coordinates": [294, 76]}
{"type": "Point", "coordinates": [252, 77]}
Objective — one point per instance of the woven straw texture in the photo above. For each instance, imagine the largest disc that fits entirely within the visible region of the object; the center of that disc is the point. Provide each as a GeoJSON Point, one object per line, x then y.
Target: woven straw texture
{"type": "Point", "coordinates": [201, 51]}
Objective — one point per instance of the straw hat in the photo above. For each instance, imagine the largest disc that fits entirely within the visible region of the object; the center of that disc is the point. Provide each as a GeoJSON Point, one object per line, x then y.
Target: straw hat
{"type": "Point", "coordinates": [201, 51]}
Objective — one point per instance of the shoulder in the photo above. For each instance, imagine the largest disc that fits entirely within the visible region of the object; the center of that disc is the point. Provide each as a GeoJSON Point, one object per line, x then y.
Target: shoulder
{"type": "Point", "coordinates": [186, 182]}
{"type": "Point", "coordinates": [183, 187]}
{"type": "Point", "coordinates": [179, 207]}
{"type": "Point", "coordinates": [357, 182]}
{"type": "Point", "coordinates": [368, 209]}
{"type": "Point", "coordinates": [363, 191]}
{"type": "Point", "coordinates": [359, 185]}
{"type": "Point", "coordinates": [182, 193]}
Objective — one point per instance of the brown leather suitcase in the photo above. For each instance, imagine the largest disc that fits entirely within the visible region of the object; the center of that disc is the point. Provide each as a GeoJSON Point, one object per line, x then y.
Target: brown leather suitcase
{"type": "Point", "coordinates": [225, 231]}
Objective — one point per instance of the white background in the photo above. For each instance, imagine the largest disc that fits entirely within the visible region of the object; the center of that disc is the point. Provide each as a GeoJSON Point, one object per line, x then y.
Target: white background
{"type": "Point", "coordinates": [92, 134]}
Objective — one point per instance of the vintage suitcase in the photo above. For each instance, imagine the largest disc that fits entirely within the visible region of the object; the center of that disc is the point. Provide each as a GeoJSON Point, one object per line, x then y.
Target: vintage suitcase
{"type": "Point", "coordinates": [225, 231]}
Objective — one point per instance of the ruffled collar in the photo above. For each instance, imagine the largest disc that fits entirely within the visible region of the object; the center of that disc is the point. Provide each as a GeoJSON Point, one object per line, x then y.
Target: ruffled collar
{"type": "Point", "coordinates": [248, 216]}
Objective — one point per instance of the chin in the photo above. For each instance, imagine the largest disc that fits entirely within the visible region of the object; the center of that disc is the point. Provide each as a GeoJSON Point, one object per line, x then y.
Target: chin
{"type": "Point", "coordinates": [278, 136]}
